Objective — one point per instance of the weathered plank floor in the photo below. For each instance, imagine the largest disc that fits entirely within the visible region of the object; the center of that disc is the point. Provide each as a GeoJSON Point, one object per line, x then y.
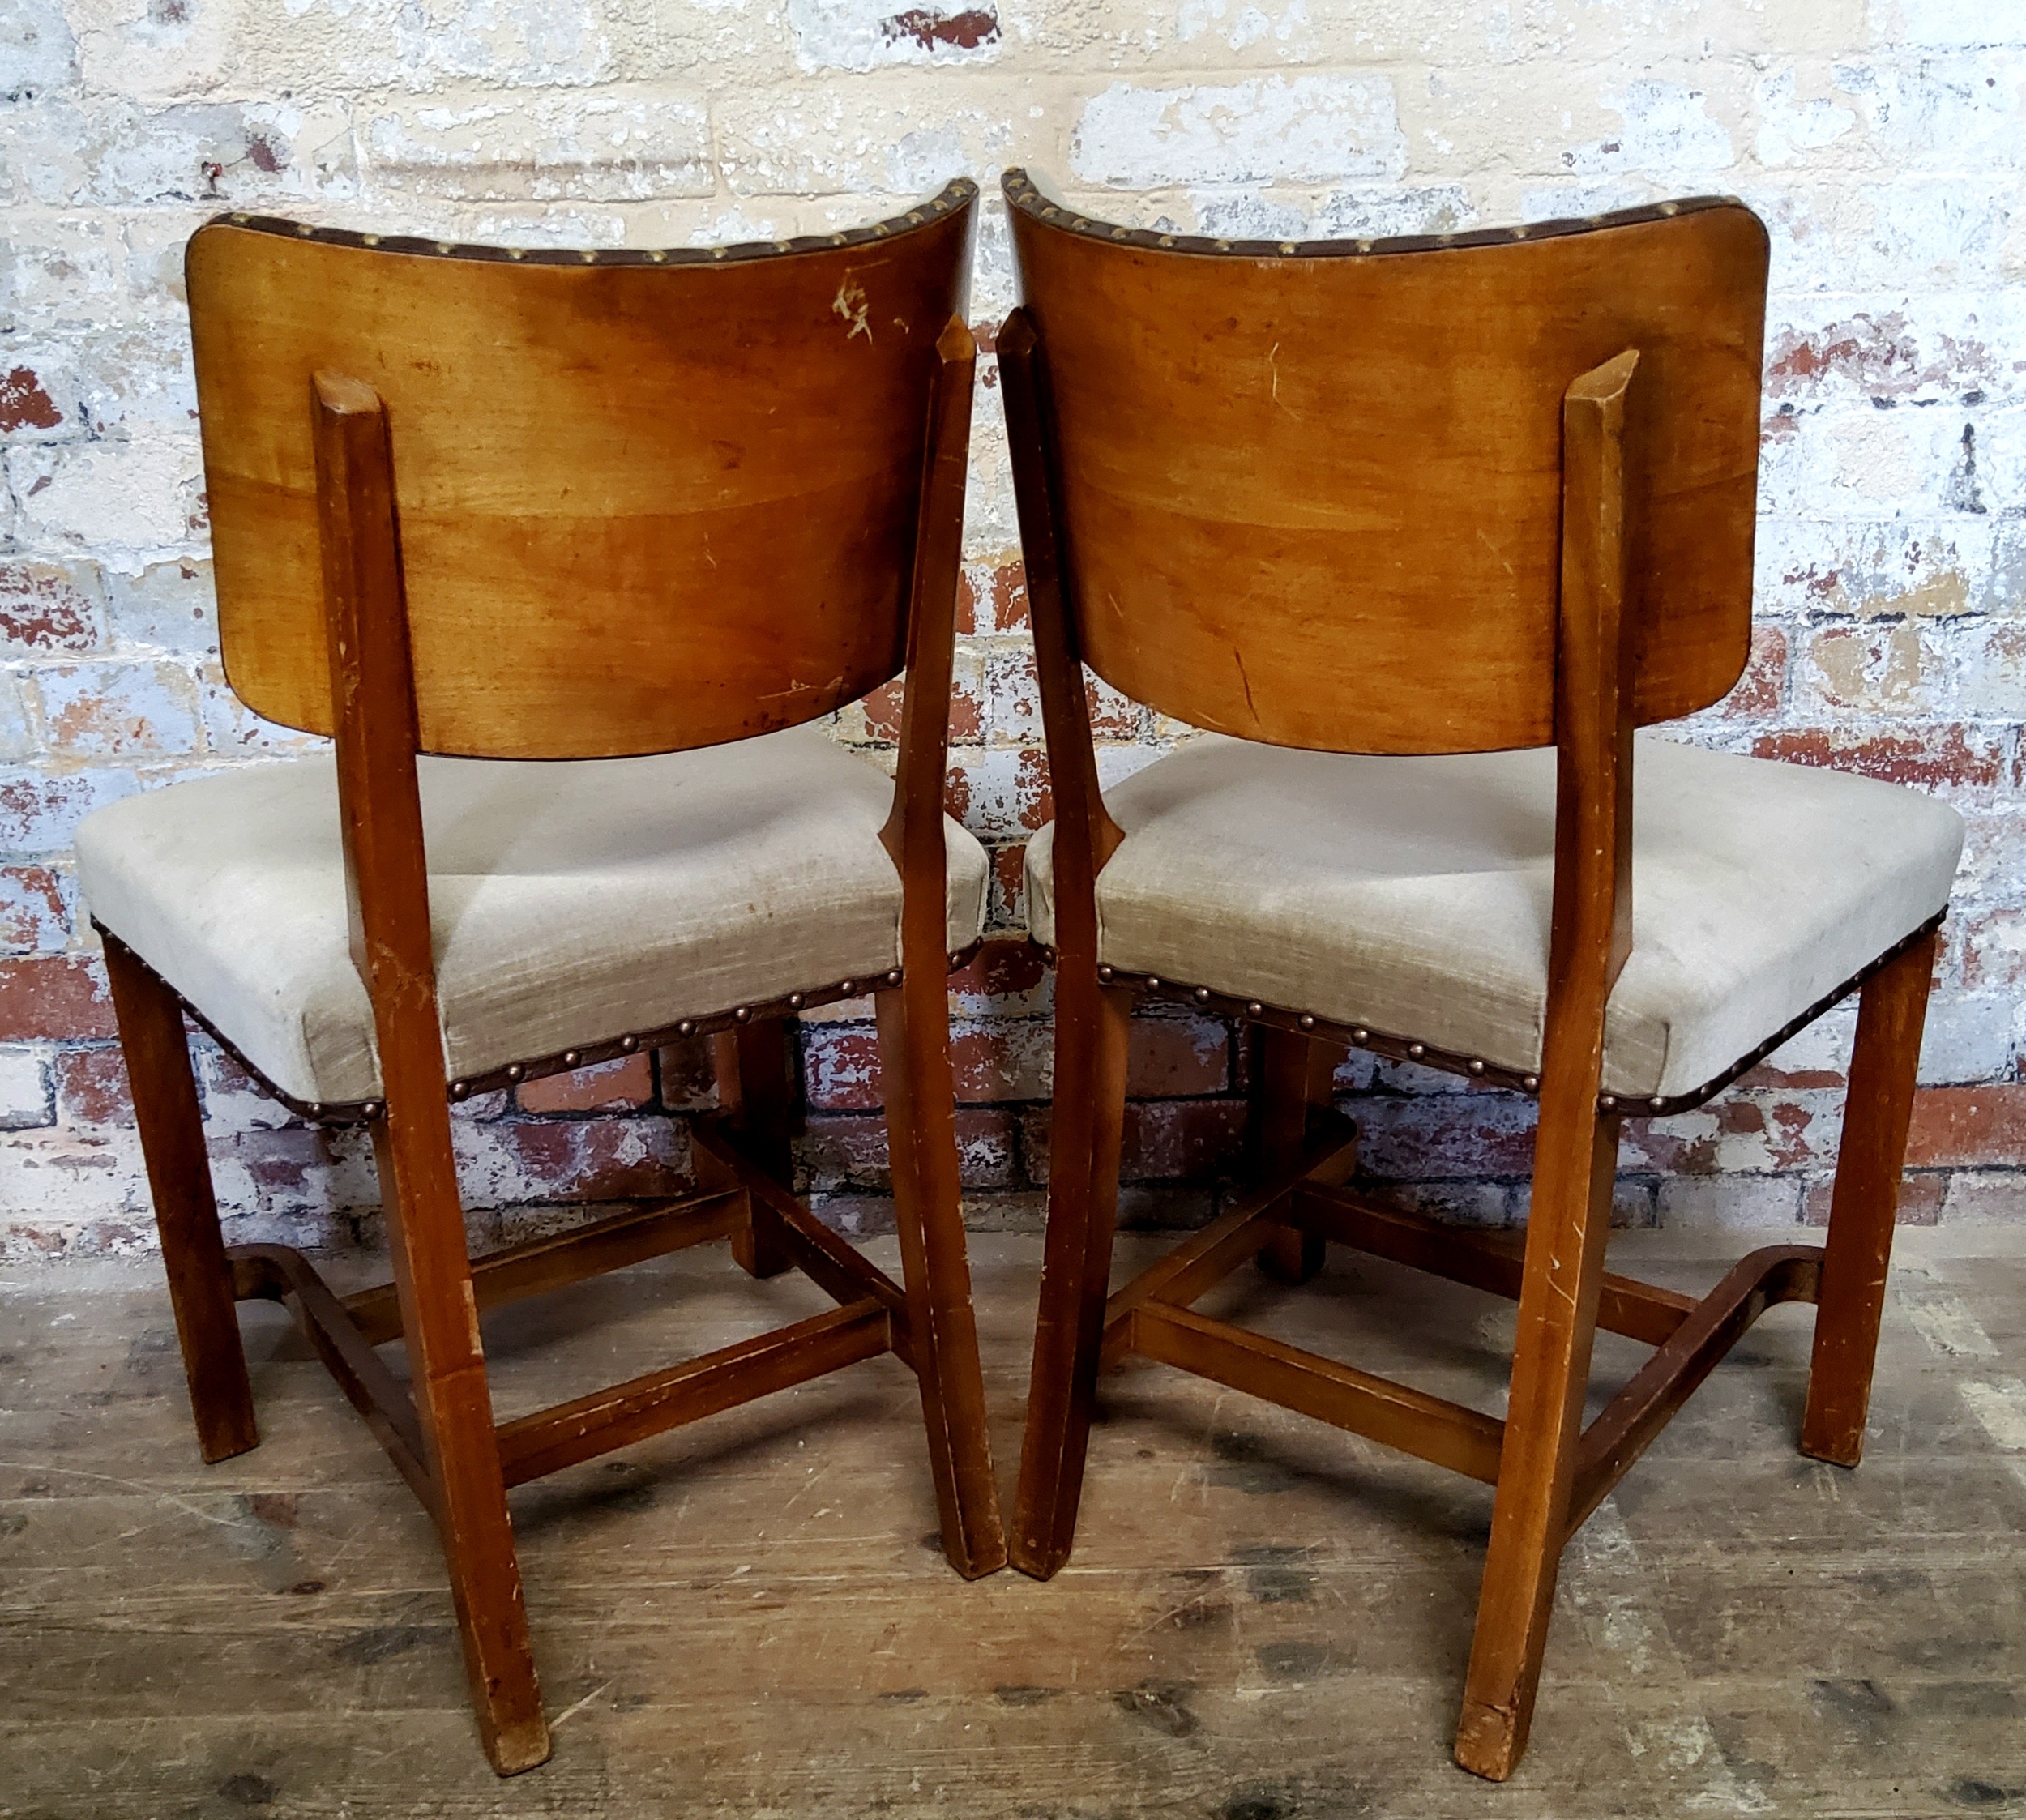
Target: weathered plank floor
{"type": "Point", "coordinates": [1265, 1620]}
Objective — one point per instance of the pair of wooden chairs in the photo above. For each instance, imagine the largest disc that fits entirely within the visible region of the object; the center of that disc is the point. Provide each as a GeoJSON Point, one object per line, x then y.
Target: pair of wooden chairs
{"type": "Point", "coordinates": [1420, 530]}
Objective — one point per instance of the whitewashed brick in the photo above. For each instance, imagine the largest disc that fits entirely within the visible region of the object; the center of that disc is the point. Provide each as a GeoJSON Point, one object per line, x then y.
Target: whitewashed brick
{"type": "Point", "coordinates": [152, 47]}
{"type": "Point", "coordinates": [130, 502]}
{"type": "Point", "coordinates": [27, 1099]}
{"type": "Point", "coordinates": [1311, 129]}
{"type": "Point", "coordinates": [38, 53]}
{"type": "Point", "coordinates": [568, 147]}
{"type": "Point", "coordinates": [112, 710]}
{"type": "Point", "coordinates": [870, 34]}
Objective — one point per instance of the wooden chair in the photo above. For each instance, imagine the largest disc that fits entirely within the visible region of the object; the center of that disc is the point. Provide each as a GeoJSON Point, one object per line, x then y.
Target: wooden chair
{"type": "Point", "coordinates": [1352, 506]}
{"type": "Point", "coordinates": [595, 506]}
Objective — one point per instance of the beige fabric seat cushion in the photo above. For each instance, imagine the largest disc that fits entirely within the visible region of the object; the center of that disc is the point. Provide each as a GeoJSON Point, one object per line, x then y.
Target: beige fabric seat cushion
{"type": "Point", "coordinates": [1412, 896]}
{"type": "Point", "coordinates": [571, 902]}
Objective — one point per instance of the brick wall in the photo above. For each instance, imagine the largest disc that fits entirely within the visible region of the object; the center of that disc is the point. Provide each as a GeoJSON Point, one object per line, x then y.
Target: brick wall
{"type": "Point", "coordinates": [1882, 140]}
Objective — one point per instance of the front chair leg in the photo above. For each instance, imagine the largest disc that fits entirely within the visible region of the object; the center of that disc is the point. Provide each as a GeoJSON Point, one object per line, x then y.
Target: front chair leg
{"type": "Point", "coordinates": [1293, 1076]}
{"type": "Point", "coordinates": [1575, 1161]}
{"type": "Point", "coordinates": [1091, 1027]}
{"type": "Point", "coordinates": [922, 1141]}
{"type": "Point", "coordinates": [1877, 1106]}
{"type": "Point", "coordinates": [756, 1092]}
{"type": "Point", "coordinates": [432, 1274]}
{"type": "Point", "coordinates": [172, 1126]}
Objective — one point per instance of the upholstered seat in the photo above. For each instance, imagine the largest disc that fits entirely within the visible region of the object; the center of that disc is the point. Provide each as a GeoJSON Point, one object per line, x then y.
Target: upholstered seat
{"type": "Point", "coordinates": [571, 902]}
{"type": "Point", "coordinates": [1412, 895]}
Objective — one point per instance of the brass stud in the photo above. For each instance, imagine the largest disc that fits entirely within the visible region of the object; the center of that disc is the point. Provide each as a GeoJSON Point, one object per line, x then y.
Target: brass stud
{"type": "Point", "coordinates": [781, 246]}
{"type": "Point", "coordinates": [516, 252]}
{"type": "Point", "coordinates": [1531, 1082]}
{"type": "Point", "coordinates": [242, 220]}
{"type": "Point", "coordinates": [514, 1070]}
{"type": "Point", "coordinates": [1670, 208]}
{"type": "Point", "coordinates": [1417, 1050]}
{"type": "Point", "coordinates": [370, 1110]}
{"type": "Point", "coordinates": [1104, 973]}
{"type": "Point", "coordinates": [1254, 1008]}
{"type": "Point", "coordinates": [718, 252]}
{"type": "Point", "coordinates": [445, 246]}
{"type": "Point", "coordinates": [1153, 982]}
{"type": "Point", "coordinates": [686, 1027]}
{"type": "Point", "coordinates": [1203, 995]}
{"type": "Point", "coordinates": [1518, 234]}
{"type": "Point", "coordinates": [588, 256]}
{"type": "Point", "coordinates": [659, 257]}
{"type": "Point", "coordinates": [369, 240]}
{"type": "Point", "coordinates": [1307, 1020]}
{"type": "Point", "coordinates": [956, 961]}
{"type": "Point", "coordinates": [1288, 246]}
{"type": "Point", "coordinates": [837, 239]}
{"type": "Point", "coordinates": [315, 1109]}
{"type": "Point", "coordinates": [460, 1090]}
{"type": "Point", "coordinates": [1360, 1035]}
{"type": "Point", "coordinates": [893, 975]}
{"type": "Point", "coordinates": [743, 1014]}
{"type": "Point", "coordinates": [1364, 246]}
{"type": "Point", "coordinates": [1445, 240]}
{"type": "Point", "coordinates": [1477, 1067]}
{"type": "Point", "coordinates": [569, 1058]}
{"type": "Point", "coordinates": [1167, 240]}
{"type": "Point", "coordinates": [794, 1002]}
{"type": "Point", "coordinates": [1608, 1101]}
{"type": "Point", "coordinates": [304, 229]}
{"type": "Point", "coordinates": [1224, 246]}
{"type": "Point", "coordinates": [1656, 1102]}
{"type": "Point", "coordinates": [1079, 222]}
{"type": "Point", "coordinates": [848, 988]}
{"type": "Point", "coordinates": [629, 1044]}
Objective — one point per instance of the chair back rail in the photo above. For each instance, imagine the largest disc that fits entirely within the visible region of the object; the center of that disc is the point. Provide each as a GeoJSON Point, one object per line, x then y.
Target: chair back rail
{"type": "Point", "coordinates": [1312, 495]}
{"type": "Point", "coordinates": [645, 501]}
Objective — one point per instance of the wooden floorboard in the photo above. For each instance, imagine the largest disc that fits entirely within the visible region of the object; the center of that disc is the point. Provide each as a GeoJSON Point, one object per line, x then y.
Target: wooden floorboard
{"type": "Point", "coordinates": [1265, 1619]}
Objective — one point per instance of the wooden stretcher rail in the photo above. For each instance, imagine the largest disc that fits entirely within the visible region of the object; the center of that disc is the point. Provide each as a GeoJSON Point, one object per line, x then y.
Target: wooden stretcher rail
{"type": "Point", "coordinates": [1774, 1273]}
{"type": "Point", "coordinates": [533, 1269]}
{"type": "Point", "coordinates": [562, 1436]}
{"type": "Point", "coordinates": [1206, 1259]}
{"type": "Point", "coordinates": [1429, 1427]}
{"type": "Point", "coordinates": [829, 1260]}
{"type": "Point", "coordinates": [277, 1273]}
{"type": "Point", "coordinates": [1487, 1261]}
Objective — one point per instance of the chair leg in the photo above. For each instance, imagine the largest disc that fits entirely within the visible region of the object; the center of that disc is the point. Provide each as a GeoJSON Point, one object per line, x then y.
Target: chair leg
{"type": "Point", "coordinates": [172, 1126]}
{"type": "Point", "coordinates": [432, 1278]}
{"type": "Point", "coordinates": [920, 1098]}
{"type": "Point", "coordinates": [1877, 1109]}
{"type": "Point", "coordinates": [756, 1089]}
{"type": "Point", "coordinates": [1294, 1075]}
{"type": "Point", "coordinates": [1090, 1023]}
{"type": "Point", "coordinates": [1575, 1160]}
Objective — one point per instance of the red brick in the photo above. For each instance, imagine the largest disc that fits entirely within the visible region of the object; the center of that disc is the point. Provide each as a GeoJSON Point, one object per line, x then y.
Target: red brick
{"type": "Point", "coordinates": [882, 709]}
{"type": "Point", "coordinates": [884, 706]}
{"type": "Point", "coordinates": [53, 997]}
{"type": "Point", "coordinates": [851, 1151]}
{"type": "Point", "coordinates": [1170, 1056]}
{"type": "Point", "coordinates": [1920, 1200]}
{"type": "Point", "coordinates": [1163, 1140]}
{"type": "Point", "coordinates": [840, 1067]}
{"type": "Point", "coordinates": [91, 1088]}
{"type": "Point", "coordinates": [622, 1086]}
{"type": "Point", "coordinates": [46, 606]}
{"type": "Point", "coordinates": [1008, 884]}
{"type": "Point", "coordinates": [1004, 966]}
{"type": "Point", "coordinates": [596, 1160]}
{"type": "Point", "coordinates": [1446, 1135]}
{"type": "Point", "coordinates": [1757, 693]}
{"type": "Point", "coordinates": [1967, 1127]}
{"type": "Point", "coordinates": [995, 1062]}
{"type": "Point", "coordinates": [1929, 755]}
{"type": "Point", "coordinates": [992, 598]}
{"type": "Point", "coordinates": [34, 909]}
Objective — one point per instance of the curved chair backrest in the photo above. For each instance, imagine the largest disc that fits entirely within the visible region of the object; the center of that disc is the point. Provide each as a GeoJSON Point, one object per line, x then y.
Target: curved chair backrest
{"type": "Point", "coordinates": [647, 501]}
{"type": "Point", "coordinates": [1311, 494]}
